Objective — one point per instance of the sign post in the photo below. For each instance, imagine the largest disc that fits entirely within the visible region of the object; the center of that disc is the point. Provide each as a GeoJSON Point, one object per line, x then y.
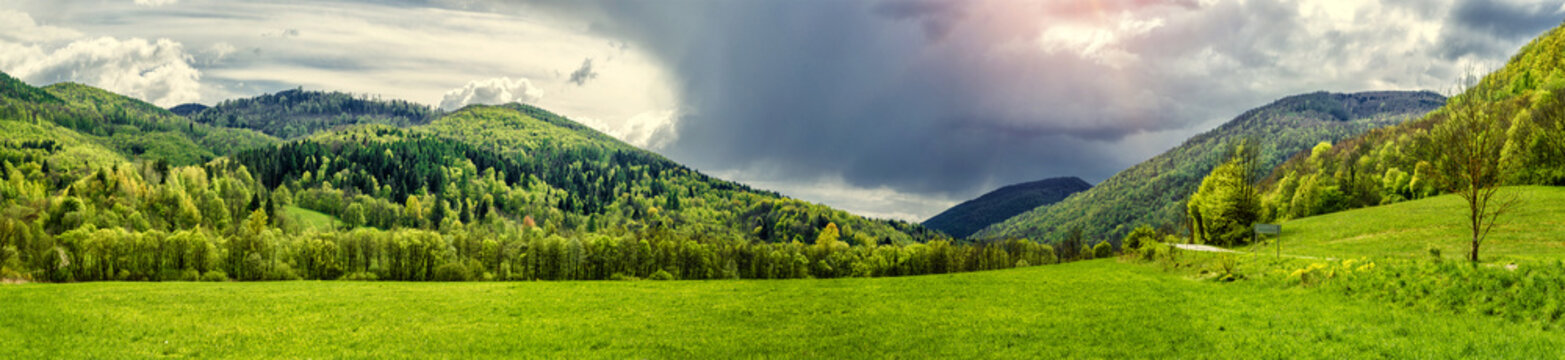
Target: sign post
{"type": "Point", "coordinates": [1274, 230]}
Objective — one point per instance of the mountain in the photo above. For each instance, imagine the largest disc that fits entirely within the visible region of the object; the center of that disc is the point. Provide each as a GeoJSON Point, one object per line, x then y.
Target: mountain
{"type": "Point", "coordinates": [995, 206]}
{"type": "Point", "coordinates": [1521, 107]}
{"type": "Point", "coordinates": [1153, 192]}
{"type": "Point", "coordinates": [187, 109]}
{"type": "Point", "coordinates": [294, 113]}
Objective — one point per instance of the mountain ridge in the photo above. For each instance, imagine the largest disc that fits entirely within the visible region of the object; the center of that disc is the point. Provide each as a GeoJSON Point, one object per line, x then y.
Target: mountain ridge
{"type": "Point", "coordinates": [975, 214]}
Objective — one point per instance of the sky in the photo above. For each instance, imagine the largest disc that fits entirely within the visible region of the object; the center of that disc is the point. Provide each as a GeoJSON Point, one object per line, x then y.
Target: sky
{"type": "Point", "coordinates": [892, 109]}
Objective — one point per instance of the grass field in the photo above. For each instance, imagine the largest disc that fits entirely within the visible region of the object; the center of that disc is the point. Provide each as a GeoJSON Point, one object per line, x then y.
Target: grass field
{"type": "Point", "coordinates": [1535, 230]}
{"type": "Point", "coordinates": [311, 219]}
{"type": "Point", "coordinates": [1101, 308]}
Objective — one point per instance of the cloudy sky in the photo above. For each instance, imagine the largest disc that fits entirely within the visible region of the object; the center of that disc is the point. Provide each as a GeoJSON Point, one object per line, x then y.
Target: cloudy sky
{"type": "Point", "coordinates": [886, 108]}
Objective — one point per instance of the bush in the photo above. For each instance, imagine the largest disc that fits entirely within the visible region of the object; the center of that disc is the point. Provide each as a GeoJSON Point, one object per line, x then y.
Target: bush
{"type": "Point", "coordinates": [360, 276]}
{"type": "Point", "coordinates": [452, 272]}
{"type": "Point", "coordinates": [1139, 237]}
{"type": "Point", "coordinates": [623, 277]}
{"type": "Point", "coordinates": [215, 276]}
{"type": "Point", "coordinates": [282, 272]}
{"type": "Point", "coordinates": [661, 275]}
{"type": "Point", "coordinates": [1022, 263]}
{"type": "Point", "coordinates": [1103, 250]}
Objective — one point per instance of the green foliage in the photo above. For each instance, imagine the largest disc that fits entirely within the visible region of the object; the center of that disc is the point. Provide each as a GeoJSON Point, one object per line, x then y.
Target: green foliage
{"type": "Point", "coordinates": [660, 275]}
{"type": "Point", "coordinates": [1226, 205]}
{"type": "Point", "coordinates": [1103, 250]}
{"type": "Point", "coordinates": [1141, 236]}
{"type": "Point", "coordinates": [1156, 191]}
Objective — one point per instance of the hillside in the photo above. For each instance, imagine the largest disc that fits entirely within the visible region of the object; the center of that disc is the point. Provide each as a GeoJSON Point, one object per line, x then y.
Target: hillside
{"type": "Point", "coordinates": [1522, 107]}
{"type": "Point", "coordinates": [485, 193]}
{"type": "Point", "coordinates": [995, 206]}
{"type": "Point", "coordinates": [1137, 311]}
{"type": "Point", "coordinates": [294, 113]}
{"type": "Point", "coordinates": [129, 127]}
{"type": "Point", "coordinates": [1154, 191]}
{"type": "Point", "coordinates": [573, 177]}
{"type": "Point", "coordinates": [1534, 231]}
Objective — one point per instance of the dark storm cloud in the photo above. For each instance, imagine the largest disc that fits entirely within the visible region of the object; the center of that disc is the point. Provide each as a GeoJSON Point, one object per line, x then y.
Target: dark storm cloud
{"type": "Point", "coordinates": [936, 17]}
{"type": "Point", "coordinates": [946, 99]}
{"type": "Point", "coordinates": [800, 90]}
{"type": "Point", "coordinates": [583, 73]}
{"type": "Point", "coordinates": [1484, 27]}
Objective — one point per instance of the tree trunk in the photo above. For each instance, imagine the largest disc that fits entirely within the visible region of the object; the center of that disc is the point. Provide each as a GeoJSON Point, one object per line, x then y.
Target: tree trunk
{"type": "Point", "coordinates": [1474, 255]}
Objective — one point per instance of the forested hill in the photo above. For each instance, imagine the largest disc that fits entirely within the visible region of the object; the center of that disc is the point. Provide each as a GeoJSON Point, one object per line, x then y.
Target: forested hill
{"type": "Point", "coordinates": [497, 161]}
{"type": "Point", "coordinates": [995, 206]}
{"type": "Point", "coordinates": [98, 186]}
{"type": "Point", "coordinates": [1520, 107]}
{"type": "Point", "coordinates": [122, 127]}
{"type": "Point", "coordinates": [1154, 191]}
{"type": "Point", "coordinates": [294, 113]}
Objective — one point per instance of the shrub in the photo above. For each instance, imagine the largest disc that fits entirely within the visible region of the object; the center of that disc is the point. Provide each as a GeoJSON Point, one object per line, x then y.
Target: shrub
{"type": "Point", "coordinates": [452, 272]}
{"type": "Point", "coordinates": [1022, 263]}
{"type": "Point", "coordinates": [282, 272]}
{"type": "Point", "coordinates": [1149, 251]}
{"type": "Point", "coordinates": [1103, 250]}
{"type": "Point", "coordinates": [623, 277]}
{"type": "Point", "coordinates": [360, 276]}
{"type": "Point", "coordinates": [1139, 237]}
{"type": "Point", "coordinates": [214, 275]}
{"type": "Point", "coordinates": [661, 275]}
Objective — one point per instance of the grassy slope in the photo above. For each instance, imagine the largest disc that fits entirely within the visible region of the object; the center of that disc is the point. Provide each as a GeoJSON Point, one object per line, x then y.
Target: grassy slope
{"type": "Point", "coordinates": [311, 219]}
{"type": "Point", "coordinates": [1090, 309]}
{"type": "Point", "coordinates": [1534, 230]}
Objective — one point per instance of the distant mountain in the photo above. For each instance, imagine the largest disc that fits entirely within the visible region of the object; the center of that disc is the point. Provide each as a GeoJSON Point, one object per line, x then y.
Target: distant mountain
{"type": "Point", "coordinates": [187, 109]}
{"type": "Point", "coordinates": [1154, 191]}
{"type": "Point", "coordinates": [294, 113]}
{"type": "Point", "coordinates": [995, 206]}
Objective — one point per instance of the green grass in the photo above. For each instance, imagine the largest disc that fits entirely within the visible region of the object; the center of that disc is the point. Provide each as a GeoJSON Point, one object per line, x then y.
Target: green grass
{"type": "Point", "coordinates": [1092, 309]}
{"type": "Point", "coordinates": [1534, 230]}
{"type": "Point", "coordinates": [310, 219]}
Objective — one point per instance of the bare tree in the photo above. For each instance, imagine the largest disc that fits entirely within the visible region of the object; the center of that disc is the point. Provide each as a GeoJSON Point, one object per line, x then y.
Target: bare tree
{"type": "Point", "coordinates": [1466, 153]}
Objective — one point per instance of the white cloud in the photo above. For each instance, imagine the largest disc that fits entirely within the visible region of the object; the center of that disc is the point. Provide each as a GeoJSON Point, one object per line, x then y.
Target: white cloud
{"type": "Point", "coordinates": [1098, 42]}
{"type": "Point", "coordinates": [217, 52]}
{"type": "Point", "coordinates": [156, 71]}
{"type": "Point", "coordinates": [499, 90]}
{"type": "Point", "coordinates": [880, 202]}
{"type": "Point", "coordinates": [649, 130]}
{"type": "Point", "coordinates": [19, 27]}
{"type": "Point", "coordinates": [155, 2]}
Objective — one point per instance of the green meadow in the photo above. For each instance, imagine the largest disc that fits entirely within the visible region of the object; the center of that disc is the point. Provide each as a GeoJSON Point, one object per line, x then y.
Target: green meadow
{"type": "Point", "coordinates": [1533, 230]}
{"type": "Point", "coordinates": [1105, 308]}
